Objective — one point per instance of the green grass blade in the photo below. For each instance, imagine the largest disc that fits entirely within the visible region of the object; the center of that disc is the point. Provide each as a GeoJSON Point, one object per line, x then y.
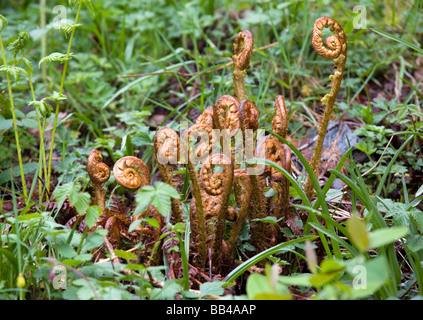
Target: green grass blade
{"type": "Point", "coordinates": [399, 40]}
{"type": "Point", "coordinates": [263, 255]}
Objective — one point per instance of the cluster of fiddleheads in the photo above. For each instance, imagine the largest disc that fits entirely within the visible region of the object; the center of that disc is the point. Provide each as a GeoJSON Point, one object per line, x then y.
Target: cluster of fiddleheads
{"type": "Point", "coordinates": [202, 150]}
{"type": "Point", "coordinates": [131, 173]}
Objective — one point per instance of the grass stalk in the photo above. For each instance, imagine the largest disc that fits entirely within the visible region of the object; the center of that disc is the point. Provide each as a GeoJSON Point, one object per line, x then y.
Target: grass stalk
{"type": "Point", "coordinates": [56, 114]}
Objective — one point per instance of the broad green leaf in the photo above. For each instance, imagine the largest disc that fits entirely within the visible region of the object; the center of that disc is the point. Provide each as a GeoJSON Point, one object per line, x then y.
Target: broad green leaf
{"type": "Point", "coordinates": [302, 280]}
{"type": "Point", "coordinates": [272, 296]}
{"type": "Point", "coordinates": [5, 123]}
{"type": "Point", "coordinates": [125, 254]}
{"type": "Point", "coordinates": [212, 288]}
{"type": "Point", "coordinates": [62, 192]}
{"type": "Point", "coordinates": [65, 249]}
{"type": "Point", "coordinates": [55, 56]}
{"type": "Point", "coordinates": [29, 216]}
{"type": "Point", "coordinates": [417, 217]}
{"type": "Point", "coordinates": [320, 279]}
{"type": "Point", "coordinates": [268, 219]}
{"type": "Point", "coordinates": [415, 242]}
{"type": "Point", "coordinates": [329, 266]}
{"type": "Point", "coordinates": [138, 267]}
{"type": "Point", "coordinates": [381, 237]}
{"type": "Point", "coordinates": [134, 225]}
{"type": "Point", "coordinates": [170, 288]}
{"type": "Point", "coordinates": [94, 240]}
{"type": "Point", "coordinates": [80, 200]}
{"type": "Point", "coordinates": [158, 196]}
{"type": "Point", "coordinates": [369, 276]}
{"type": "Point", "coordinates": [144, 198]}
{"type": "Point", "coordinates": [357, 231]}
{"type": "Point", "coordinates": [152, 222]}
{"type": "Point", "coordinates": [259, 288]}
{"type": "Point", "coordinates": [93, 213]}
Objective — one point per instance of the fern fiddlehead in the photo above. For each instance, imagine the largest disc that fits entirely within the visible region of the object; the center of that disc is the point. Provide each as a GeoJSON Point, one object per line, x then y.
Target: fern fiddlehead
{"type": "Point", "coordinates": [99, 173]}
{"type": "Point", "coordinates": [243, 49]}
{"type": "Point", "coordinates": [335, 48]}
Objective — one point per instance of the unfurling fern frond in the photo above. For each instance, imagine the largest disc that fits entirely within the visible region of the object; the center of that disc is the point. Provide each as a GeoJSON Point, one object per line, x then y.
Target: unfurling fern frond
{"type": "Point", "coordinates": [56, 56]}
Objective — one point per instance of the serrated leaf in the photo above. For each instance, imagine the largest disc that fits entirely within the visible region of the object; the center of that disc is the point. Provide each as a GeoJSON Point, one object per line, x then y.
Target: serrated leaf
{"type": "Point", "coordinates": [134, 225]}
{"type": "Point", "coordinates": [268, 219]}
{"type": "Point", "coordinates": [55, 56]}
{"type": "Point", "coordinates": [14, 71]}
{"type": "Point", "coordinates": [92, 214]}
{"type": "Point", "coordinates": [158, 196]}
{"type": "Point", "coordinates": [65, 249]}
{"type": "Point", "coordinates": [302, 280]}
{"type": "Point", "coordinates": [369, 276]}
{"type": "Point", "coordinates": [138, 267]}
{"type": "Point", "coordinates": [417, 217]}
{"type": "Point", "coordinates": [62, 192]}
{"type": "Point", "coordinates": [29, 216]}
{"type": "Point", "coordinates": [94, 240]}
{"type": "Point", "coordinates": [80, 200]}
{"type": "Point", "coordinates": [28, 65]}
{"type": "Point", "coordinates": [143, 199]}
{"type": "Point", "coordinates": [5, 123]}
{"type": "Point", "coordinates": [320, 279]}
{"type": "Point", "coordinates": [56, 97]}
{"type": "Point", "coordinates": [170, 288]}
{"type": "Point", "coordinates": [20, 43]}
{"type": "Point", "coordinates": [212, 288]}
{"type": "Point", "coordinates": [125, 255]}
{"type": "Point", "coordinates": [381, 237]}
{"type": "Point", "coordinates": [415, 242]}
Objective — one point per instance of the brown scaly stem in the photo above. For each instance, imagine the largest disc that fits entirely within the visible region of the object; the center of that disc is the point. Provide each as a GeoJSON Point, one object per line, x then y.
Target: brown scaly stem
{"type": "Point", "coordinates": [282, 156]}
{"type": "Point", "coordinates": [336, 50]}
{"type": "Point", "coordinates": [243, 49]}
{"type": "Point", "coordinates": [248, 116]}
{"type": "Point", "coordinates": [226, 119]}
{"type": "Point", "coordinates": [197, 209]}
{"type": "Point", "coordinates": [167, 153]}
{"type": "Point", "coordinates": [243, 190]}
{"type": "Point", "coordinates": [218, 187]}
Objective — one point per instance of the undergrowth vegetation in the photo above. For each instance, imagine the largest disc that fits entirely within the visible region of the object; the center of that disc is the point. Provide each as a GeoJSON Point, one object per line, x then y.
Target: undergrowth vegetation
{"type": "Point", "coordinates": [80, 75]}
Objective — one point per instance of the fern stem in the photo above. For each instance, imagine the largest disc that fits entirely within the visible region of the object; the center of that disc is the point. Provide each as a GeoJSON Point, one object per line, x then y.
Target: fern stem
{"type": "Point", "coordinates": [56, 114]}
{"type": "Point", "coordinates": [41, 128]}
{"type": "Point", "coordinates": [15, 125]}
